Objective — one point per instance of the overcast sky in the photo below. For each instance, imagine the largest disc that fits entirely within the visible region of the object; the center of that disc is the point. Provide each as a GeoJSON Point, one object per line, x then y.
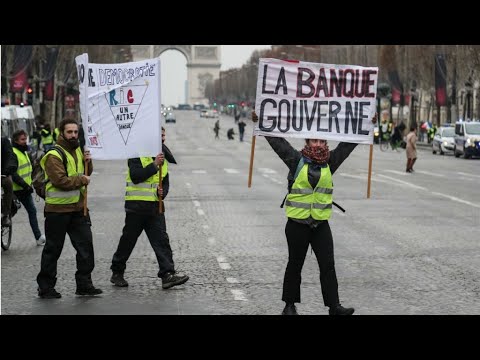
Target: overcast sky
{"type": "Point", "coordinates": [174, 80]}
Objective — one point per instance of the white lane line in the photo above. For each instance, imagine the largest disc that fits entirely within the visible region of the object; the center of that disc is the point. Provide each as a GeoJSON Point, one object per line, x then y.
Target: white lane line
{"type": "Point", "coordinates": [404, 183]}
{"type": "Point", "coordinates": [205, 227]}
{"type": "Point", "coordinates": [364, 178]}
{"type": "Point", "coordinates": [188, 184]}
{"type": "Point", "coordinates": [231, 171]}
{"type": "Point", "coordinates": [224, 266]}
{"type": "Point", "coordinates": [398, 172]}
{"type": "Point", "coordinates": [222, 262]}
{"type": "Point", "coordinates": [453, 198]}
{"type": "Point", "coordinates": [466, 174]}
{"type": "Point", "coordinates": [199, 171]}
{"type": "Point", "coordinates": [211, 240]}
{"type": "Point", "coordinates": [429, 173]}
{"type": "Point", "coordinates": [267, 170]}
{"type": "Point", "coordinates": [196, 203]}
{"type": "Point", "coordinates": [200, 212]}
{"type": "Point", "coordinates": [232, 280]}
{"type": "Point", "coordinates": [238, 295]}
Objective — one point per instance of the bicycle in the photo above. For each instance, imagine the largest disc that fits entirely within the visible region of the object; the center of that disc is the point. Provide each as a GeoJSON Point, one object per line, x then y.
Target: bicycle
{"type": "Point", "coordinates": [387, 142]}
{"type": "Point", "coordinates": [7, 230]}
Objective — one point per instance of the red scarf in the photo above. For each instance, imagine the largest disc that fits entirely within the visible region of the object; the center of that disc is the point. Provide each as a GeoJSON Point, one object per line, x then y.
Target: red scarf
{"type": "Point", "coordinates": [318, 155]}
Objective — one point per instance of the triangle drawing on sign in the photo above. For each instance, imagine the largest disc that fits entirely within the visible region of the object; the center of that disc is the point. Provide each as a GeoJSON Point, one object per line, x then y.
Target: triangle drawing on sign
{"type": "Point", "coordinates": [124, 103]}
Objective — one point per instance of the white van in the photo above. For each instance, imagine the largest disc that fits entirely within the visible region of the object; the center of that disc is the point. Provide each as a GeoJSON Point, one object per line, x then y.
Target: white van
{"type": "Point", "coordinates": [467, 139]}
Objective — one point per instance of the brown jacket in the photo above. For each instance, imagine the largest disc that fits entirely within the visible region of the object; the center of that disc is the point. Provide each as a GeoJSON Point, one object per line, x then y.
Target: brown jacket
{"type": "Point", "coordinates": [57, 175]}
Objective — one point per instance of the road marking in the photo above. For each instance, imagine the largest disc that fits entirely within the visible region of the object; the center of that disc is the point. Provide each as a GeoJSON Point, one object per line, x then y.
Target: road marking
{"type": "Point", "coordinates": [232, 280]}
{"type": "Point", "coordinates": [200, 212]}
{"type": "Point", "coordinates": [404, 183]}
{"type": "Point", "coordinates": [364, 178]}
{"type": "Point", "coordinates": [222, 262]}
{"type": "Point", "coordinates": [196, 203]}
{"type": "Point", "coordinates": [238, 295]}
{"type": "Point", "coordinates": [211, 240]}
{"type": "Point", "coordinates": [453, 198]}
{"type": "Point", "coordinates": [466, 174]}
{"type": "Point", "coordinates": [267, 171]}
{"type": "Point", "coordinates": [231, 171]}
{"type": "Point", "coordinates": [429, 173]}
{"type": "Point", "coordinates": [205, 227]}
{"type": "Point", "coordinates": [398, 172]}
{"type": "Point", "coordinates": [188, 184]}
{"type": "Point", "coordinates": [199, 171]}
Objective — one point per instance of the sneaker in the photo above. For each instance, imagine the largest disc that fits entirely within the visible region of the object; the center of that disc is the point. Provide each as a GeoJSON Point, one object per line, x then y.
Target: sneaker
{"type": "Point", "coordinates": [6, 221]}
{"type": "Point", "coordinates": [290, 309]}
{"type": "Point", "coordinates": [50, 293]}
{"type": "Point", "coordinates": [171, 279]}
{"type": "Point", "coordinates": [340, 310]}
{"type": "Point", "coordinates": [117, 279]}
{"type": "Point", "coordinates": [88, 290]}
{"type": "Point", "coordinates": [41, 240]}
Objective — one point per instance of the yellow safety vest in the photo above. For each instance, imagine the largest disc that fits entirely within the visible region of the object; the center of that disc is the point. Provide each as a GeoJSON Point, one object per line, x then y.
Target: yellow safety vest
{"type": "Point", "coordinates": [24, 169]}
{"type": "Point", "coordinates": [303, 201]}
{"type": "Point", "coordinates": [58, 196]}
{"type": "Point", "coordinates": [147, 190]}
{"type": "Point", "coordinates": [46, 139]}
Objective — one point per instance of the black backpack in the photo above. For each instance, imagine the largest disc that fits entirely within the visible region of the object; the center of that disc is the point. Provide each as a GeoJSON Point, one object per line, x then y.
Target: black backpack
{"type": "Point", "coordinates": [38, 175]}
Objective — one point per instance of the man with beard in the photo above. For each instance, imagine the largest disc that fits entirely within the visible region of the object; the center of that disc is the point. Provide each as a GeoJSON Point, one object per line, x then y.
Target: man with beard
{"type": "Point", "coordinates": [308, 208]}
{"type": "Point", "coordinates": [64, 213]}
{"type": "Point", "coordinates": [22, 182]}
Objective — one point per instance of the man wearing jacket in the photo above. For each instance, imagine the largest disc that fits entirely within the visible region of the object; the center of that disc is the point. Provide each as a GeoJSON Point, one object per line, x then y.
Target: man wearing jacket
{"type": "Point", "coordinates": [22, 182]}
{"type": "Point", "coordinates": [64, 213]}
{"type": "Point", "coordinates": [142, 213]}
{"type": "Point", "coordinates": [9, 166]}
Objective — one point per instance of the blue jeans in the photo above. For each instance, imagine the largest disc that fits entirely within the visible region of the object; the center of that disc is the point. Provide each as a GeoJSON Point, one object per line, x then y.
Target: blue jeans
{"type": "Point", "coordinates": [27, 202]}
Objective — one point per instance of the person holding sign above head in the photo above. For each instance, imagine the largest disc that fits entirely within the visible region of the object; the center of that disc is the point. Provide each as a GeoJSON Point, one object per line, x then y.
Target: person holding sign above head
{"type": "Point", "coordinates": [142, 213]}
{"type": "Point", "coordinates": [308, 207]}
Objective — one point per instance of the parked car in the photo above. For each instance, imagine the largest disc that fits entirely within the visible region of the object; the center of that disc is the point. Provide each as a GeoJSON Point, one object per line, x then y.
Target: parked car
{"type": "Point", "coordinates": [170, 117]}
{"type": "Point", "coordinates": [444, 140]}
{"type": "Point", "coordinates": [467, 139]}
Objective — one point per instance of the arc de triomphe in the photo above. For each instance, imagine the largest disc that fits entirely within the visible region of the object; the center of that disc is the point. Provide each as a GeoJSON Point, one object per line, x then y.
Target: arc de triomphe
{"type": "Point", "coordinates": [203, 65]}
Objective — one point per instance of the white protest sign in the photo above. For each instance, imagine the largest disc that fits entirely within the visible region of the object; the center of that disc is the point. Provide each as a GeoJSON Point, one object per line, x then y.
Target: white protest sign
{"type": "Point", "coordinates": [120, 108]}
{"type": "Point", "coordinates": [316, 101]}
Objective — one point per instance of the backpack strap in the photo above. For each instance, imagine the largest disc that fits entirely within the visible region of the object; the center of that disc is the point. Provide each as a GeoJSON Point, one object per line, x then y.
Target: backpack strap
{"type": "Point", "coordinates": [300, 164]}
{"type": "Point", "coordinates": [62, 155]}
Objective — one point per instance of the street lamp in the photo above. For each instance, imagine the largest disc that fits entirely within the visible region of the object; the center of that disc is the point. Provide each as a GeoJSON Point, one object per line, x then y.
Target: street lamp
{"type": "Point", "coordinates": [468, 88]}
{"type": "Point", "coordinates": [413, 97]}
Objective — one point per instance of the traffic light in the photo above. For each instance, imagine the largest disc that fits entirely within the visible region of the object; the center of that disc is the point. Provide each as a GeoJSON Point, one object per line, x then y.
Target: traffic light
{"type": "Point", "coordinates": [29, 95]}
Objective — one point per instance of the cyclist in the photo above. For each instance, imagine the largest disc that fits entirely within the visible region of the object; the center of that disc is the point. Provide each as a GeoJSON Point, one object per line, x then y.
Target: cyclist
{"type": "Point", "coordinates": [9, 167]}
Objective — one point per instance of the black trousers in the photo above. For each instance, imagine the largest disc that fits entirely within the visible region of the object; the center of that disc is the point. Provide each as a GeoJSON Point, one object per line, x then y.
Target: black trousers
{"type": "Point", "coordinates": [156, 230]}
{"type": "Point", "coordinates": [299, 236]}
{"type": "Point", "coordinates": [78, 227]}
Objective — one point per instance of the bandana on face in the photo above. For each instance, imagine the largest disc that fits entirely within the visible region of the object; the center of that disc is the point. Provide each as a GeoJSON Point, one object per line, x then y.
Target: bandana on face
{"type": "Point", "coordinates": [318, 154]}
